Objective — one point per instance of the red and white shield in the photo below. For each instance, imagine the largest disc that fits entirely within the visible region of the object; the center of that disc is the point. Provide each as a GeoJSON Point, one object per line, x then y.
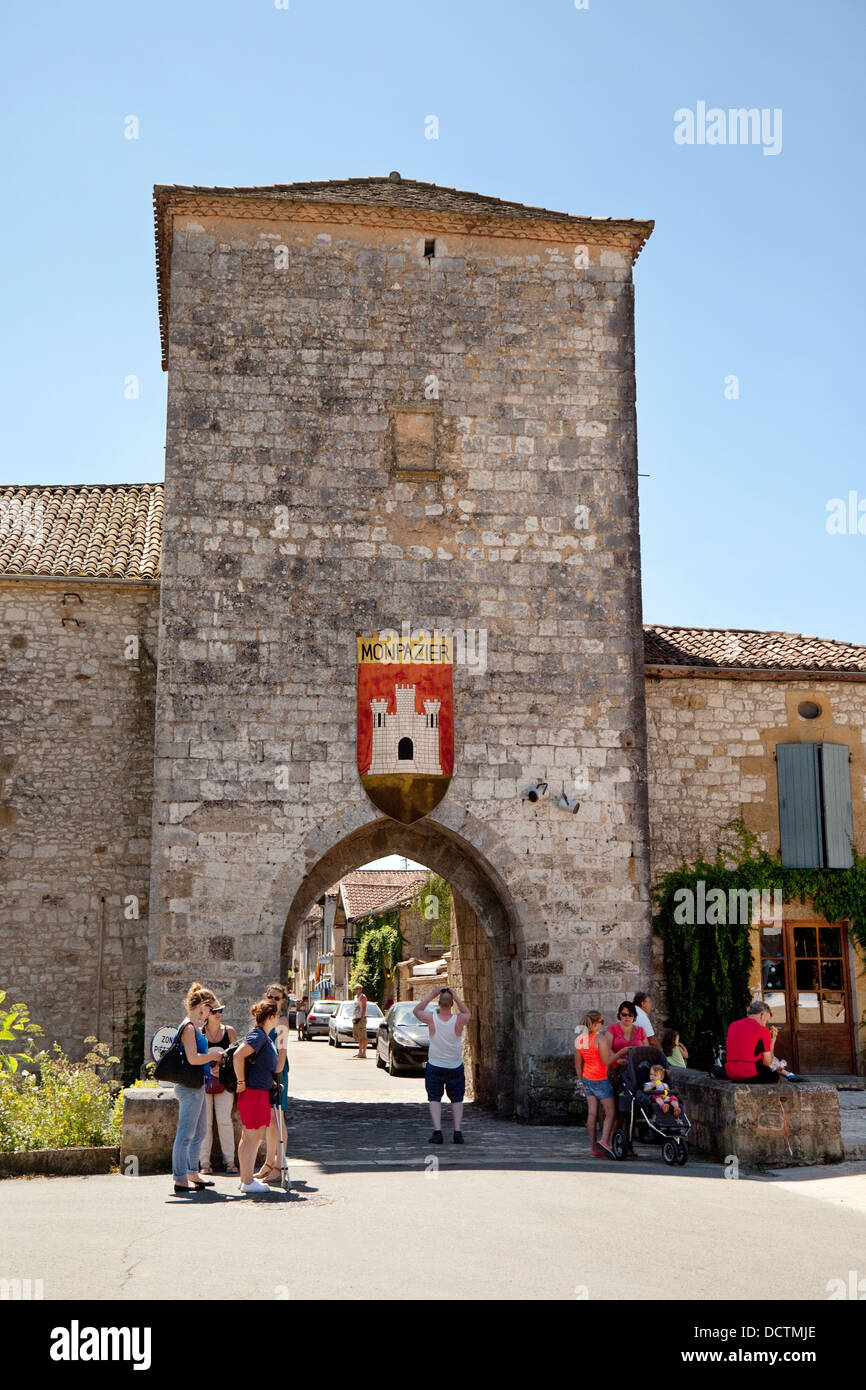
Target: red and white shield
{"type": "Point", "coordinates": [405, 722]}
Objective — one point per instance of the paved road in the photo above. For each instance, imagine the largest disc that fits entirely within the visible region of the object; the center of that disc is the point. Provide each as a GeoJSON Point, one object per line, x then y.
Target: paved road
{"type": "Point", "coordinates": [528, 1213]}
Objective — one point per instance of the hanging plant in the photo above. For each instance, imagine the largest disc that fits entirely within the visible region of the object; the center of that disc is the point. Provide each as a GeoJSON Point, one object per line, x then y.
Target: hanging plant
{"type": "Point", "coordinates": [380, 946]}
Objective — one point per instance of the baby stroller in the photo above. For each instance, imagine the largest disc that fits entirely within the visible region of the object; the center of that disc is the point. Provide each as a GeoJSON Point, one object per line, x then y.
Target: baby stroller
{"type": "Point", "coordinates": [644, 1119]}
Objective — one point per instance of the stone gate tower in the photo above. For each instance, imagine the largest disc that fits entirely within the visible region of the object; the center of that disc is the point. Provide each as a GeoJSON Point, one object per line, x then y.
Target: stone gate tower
{"type": "Point", "coordinates": [391, 402]}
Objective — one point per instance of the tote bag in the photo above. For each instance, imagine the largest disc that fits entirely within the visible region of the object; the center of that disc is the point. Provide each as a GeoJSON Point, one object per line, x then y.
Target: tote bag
{"type": "Point", "coordinates": [174, 1066]}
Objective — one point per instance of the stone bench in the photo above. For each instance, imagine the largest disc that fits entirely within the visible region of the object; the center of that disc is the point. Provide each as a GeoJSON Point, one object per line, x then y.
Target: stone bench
{"type": "Point", "coordinates": [757, 1123]}
{"type": "Point", "coordinates": [149, 1126]}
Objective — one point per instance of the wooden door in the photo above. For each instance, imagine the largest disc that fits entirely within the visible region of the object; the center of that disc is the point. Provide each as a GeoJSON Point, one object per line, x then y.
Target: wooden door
{"type": "Point", "coordinates": [804, 970]}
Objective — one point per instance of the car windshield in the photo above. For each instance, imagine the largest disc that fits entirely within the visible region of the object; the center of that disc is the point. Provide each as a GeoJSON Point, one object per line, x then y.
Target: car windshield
{"type": "Point", "coordinates": [405, 1015]}
{"type": "Point", "coordinates": [321, 1008]}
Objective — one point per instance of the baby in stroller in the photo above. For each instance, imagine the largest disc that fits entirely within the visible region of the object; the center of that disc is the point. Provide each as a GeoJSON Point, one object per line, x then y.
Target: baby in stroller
{"type": "Point", "coordinates": [661, 1094]}
{"type": "Point", "coordinates": [646, 1090]}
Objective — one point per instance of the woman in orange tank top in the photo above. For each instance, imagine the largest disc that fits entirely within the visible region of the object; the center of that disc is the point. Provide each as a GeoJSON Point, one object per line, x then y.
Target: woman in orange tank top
{"type": "Point", "coordinates": [592, 1056]}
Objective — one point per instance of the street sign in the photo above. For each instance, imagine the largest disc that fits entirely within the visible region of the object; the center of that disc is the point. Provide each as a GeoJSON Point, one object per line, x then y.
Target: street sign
{"type": "Point", "coordinates": [161, 1042]}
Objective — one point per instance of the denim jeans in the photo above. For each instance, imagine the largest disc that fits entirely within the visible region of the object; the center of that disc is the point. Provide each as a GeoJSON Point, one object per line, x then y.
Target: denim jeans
{"type": "Point", "coordinates": [191, 1125]}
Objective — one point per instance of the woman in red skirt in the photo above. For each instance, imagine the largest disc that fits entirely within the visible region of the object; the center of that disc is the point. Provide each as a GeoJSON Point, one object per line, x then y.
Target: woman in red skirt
{"type": "Point", "coordinates": [254, 1090]}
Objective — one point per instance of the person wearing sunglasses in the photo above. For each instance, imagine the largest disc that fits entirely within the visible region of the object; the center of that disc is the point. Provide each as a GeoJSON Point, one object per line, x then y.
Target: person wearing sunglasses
{"type": "Point", "coordinates": [218, 1100]}
{"type": "Point", "coordinates": [623, 1035]}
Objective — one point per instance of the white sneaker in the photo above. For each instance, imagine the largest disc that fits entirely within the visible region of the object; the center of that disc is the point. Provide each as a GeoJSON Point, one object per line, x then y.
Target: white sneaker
{"type": "Point", "coordinates": [254, 1186]}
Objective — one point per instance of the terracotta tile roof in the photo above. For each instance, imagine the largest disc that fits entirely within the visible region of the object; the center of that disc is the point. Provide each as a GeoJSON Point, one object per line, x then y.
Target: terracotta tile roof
{"type": "Point", "coordinates": [747, 649]}
{"type": "Point", "coordinates": [99, 532]}
{"type": "Point", "coordinates": [368, 890]}
{"type": "Point", "coordinates": [391, 191]}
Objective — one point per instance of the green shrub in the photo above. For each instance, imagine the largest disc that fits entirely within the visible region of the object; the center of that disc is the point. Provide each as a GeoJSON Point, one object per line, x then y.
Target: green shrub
{"type": "Point", "coordinates": [67, 1105]}
{"type": "Point", "coordinates": [380, 947]}
{"type": "Point", "coordinates": [15, 1027]}
{"type": "Point", "coordinates": [432, 899]}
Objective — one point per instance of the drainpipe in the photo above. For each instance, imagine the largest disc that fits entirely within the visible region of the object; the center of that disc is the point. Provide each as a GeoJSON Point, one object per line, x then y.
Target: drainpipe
{"type": "Point", "coordinates": [99, 968]}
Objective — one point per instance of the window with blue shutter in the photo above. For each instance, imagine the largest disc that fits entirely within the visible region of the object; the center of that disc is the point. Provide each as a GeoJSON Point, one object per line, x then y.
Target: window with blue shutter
{"type": "Point", "coordinates": [838, 812]}
{"type": "Point", "coordinates": [815, 812]}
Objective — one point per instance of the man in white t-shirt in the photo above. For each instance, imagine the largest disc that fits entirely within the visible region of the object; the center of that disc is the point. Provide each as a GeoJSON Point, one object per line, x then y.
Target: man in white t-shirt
{"type": "Point", "coordinates": [643, 1003]}
{"type": "Point", "coordinates": [444, 1070]}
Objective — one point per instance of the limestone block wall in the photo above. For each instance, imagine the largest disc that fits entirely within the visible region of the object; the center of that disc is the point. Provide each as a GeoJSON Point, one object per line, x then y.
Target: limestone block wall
{"type": "Point", "coordinates": [471, 973]}
{"type": "Point", "coordinates": [76, 760]}
{"type": "Point", "coordinates": [288, 530]}
{"type": "Point", "coordinates": [711, 746]}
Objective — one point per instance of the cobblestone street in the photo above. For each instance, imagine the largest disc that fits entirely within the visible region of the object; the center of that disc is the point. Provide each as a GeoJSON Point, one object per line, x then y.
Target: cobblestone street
{"type": "Point", "coordinates": [348, 1114]}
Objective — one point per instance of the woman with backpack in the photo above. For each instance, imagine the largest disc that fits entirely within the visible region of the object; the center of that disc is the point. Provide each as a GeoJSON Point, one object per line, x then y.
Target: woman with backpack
{"type": "Point", "coordinates": [218, 1101]}
{"type": "Point", "coordinates": [191, 1111]}
{"type": "Point", "coordinates": [254, 1085]}
{"type": "Point", "coordinates": [279, 1036]}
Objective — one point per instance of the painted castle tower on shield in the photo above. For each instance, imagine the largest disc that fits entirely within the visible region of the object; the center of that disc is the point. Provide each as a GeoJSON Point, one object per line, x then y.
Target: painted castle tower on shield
{"type": "Point", "coordinates": [406, 741]}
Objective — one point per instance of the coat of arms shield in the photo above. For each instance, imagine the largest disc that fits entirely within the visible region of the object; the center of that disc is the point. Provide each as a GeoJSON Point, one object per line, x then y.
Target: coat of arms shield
{"type": "Point", "coordinates": [405, 722]}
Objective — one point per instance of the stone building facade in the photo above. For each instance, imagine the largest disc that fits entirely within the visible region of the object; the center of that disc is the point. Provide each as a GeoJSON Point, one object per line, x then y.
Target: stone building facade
{"type": "Point", "coordinates": [387, 402]}
{"type": "Point", "coordinates": [78, 672]}
{"type": "Point", "coordinates": [303, 327]}
{"type": "Point", "coordinates": [719, 705]}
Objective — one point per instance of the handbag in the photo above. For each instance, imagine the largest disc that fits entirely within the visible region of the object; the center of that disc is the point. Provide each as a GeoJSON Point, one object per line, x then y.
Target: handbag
{"type": "Point", "coordinates": [174, 1066]}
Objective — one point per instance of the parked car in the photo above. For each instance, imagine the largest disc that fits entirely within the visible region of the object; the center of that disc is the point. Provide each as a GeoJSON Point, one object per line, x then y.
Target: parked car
{"type": "Point", "coordinates": [403, 1041]}
{"type": "Point", "coordinates": [292, 1012]}
{"type": "Point", "coordinates": [318, 1018]}
{"type": "Point", "coordinates": [340, 1025]}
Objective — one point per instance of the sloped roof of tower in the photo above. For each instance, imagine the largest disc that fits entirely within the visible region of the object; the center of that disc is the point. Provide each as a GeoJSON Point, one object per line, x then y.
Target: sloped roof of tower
{"type": "Point", "coordinates": [454, 209]}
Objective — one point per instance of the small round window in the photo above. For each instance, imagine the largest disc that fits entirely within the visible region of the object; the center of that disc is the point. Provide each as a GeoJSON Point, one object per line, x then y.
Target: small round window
{"type": "Point", "coordinates": [807, 709]}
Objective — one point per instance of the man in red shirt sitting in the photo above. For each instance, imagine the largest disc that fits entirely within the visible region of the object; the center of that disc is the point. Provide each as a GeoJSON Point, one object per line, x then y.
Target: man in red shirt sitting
{"type": "Point", "coordinates": [749, 1046]}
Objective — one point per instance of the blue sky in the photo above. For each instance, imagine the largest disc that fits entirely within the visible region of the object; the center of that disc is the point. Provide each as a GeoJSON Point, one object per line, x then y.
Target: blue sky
{"type": "Point", "coordinates": [754, 269]}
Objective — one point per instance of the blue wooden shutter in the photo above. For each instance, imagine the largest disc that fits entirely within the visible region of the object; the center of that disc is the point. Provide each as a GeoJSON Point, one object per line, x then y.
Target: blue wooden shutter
{"type": "Point", "coordinates": [838, 816]}
{"type": "Point", "coordinates": [799, 805]}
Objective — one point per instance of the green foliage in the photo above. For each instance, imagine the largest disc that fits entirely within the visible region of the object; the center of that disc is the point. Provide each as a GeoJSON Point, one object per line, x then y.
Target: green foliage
{"type": "Point", "coordinates": [68, 1105]}
{"type": "Point", "coordinates": [16, 1027]}
{"type": "Point", "coordinates": [708, 967]}
{"type": "Point", "coordinates": [380, 947]}
{"type": "Point", "coordinates": [432, 899]}
{"type": "Point", "coordinates": [132, 1048]}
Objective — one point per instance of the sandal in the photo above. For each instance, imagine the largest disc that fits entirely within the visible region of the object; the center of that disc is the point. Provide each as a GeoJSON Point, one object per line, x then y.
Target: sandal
{"type": "Point", "coordinates": [232, 1168]}
{"type": "Point", "coordinates": [205, 1168]}
{"type": "Point", "coordinates": [264, 1170]}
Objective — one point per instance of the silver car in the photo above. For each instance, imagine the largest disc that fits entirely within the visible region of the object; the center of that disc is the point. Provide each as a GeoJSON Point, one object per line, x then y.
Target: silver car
{"type": "Point", "coordinates": [340, 1023]}
{"type": "Point", "coordinates": [318, 1018]}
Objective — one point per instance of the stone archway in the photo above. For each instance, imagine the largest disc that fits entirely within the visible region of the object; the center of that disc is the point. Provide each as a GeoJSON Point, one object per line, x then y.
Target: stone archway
{"type": "Point", "coordinates": [486, 924]}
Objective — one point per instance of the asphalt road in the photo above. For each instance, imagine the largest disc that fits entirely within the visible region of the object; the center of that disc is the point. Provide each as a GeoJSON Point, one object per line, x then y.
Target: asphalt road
{"type": "Point", "coordinates": [527, 1213]}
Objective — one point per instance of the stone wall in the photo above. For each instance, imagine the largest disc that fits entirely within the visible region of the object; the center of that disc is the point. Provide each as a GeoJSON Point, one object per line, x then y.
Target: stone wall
{"type": "Point", "coordinates": [761, 1126]}
{"type": "Point", "coordinates": [711, 758]}
{"type": "Point", "coordinates": [471, 972]}
{"type": "Point", "coordinates": [75, 807]}
{"type": "Point", "coordinates": [291, 525]}
{"type": "Point", "coordinates": [711, 746]}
